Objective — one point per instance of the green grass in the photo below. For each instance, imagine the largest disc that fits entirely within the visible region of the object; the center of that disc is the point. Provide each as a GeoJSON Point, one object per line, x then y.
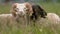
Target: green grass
{"type": "Point", "coordinates": [19, 28]}
{"type": "Point", "coordinates": [4, 9]}
{"type": "Point", "coordinates": [51, 7]}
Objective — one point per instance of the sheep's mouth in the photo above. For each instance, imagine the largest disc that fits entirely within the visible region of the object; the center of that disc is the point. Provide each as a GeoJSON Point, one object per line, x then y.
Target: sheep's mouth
{"type": "Point", "coordinates": [21, 15]}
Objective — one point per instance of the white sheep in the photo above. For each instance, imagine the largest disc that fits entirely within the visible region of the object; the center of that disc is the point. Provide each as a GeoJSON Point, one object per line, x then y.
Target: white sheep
{"type": "Point", "coordinates": [54, 18]}
{"type": "Point", "coordinates": [7, 17]}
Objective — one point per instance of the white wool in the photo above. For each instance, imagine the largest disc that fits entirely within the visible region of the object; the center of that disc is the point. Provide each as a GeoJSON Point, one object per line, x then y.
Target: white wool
{"type": "Point", "coordinates": [53, 17]}
{"type": "Point", "coordinates": [5, 15]}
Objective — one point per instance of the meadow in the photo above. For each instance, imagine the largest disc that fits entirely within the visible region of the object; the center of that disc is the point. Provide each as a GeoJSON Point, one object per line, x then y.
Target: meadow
{"type": "Point", "coordinates": [41, 27]}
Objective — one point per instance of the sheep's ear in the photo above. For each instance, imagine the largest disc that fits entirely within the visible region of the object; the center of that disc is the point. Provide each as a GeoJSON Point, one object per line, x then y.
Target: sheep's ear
{"type": "Point", "coordinates": [30, 11]}
{"type": "Point", "coordinates": [13, 9]}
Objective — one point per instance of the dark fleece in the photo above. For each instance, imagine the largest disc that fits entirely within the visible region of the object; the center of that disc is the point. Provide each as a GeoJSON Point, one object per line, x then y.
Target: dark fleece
{"type": "Point", "coordinates": [38, 11]}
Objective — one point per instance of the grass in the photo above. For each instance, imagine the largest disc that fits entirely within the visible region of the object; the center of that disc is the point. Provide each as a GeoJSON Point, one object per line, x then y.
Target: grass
{"type": "Point", "coordinates": [43, 27]}
{"type": "Point", "coordinates": [4, 9]}
{"type": "Point", "coordinates": [51, 7]}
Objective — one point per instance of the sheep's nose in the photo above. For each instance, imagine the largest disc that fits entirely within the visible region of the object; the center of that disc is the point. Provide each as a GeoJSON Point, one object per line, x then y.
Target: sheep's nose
{"type": "Point", "coordinates": [21, 12]}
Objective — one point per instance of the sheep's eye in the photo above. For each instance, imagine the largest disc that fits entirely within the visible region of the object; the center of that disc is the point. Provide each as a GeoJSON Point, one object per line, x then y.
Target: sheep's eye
{"type": "Point", "coordinates": [16, 9]}
{"type": "Point", "coordinates": [27, 9]}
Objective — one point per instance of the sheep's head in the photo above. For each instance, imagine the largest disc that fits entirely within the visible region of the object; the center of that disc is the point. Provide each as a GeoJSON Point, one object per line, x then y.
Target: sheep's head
{"type": "Point", "coordinates": [38, 11]}
{"type": "Point", "coordinates": [21, 9]}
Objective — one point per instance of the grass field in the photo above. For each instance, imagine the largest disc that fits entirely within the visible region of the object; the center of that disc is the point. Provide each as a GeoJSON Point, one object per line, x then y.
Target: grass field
{"type": "Point", "coordinates": [41, 27]}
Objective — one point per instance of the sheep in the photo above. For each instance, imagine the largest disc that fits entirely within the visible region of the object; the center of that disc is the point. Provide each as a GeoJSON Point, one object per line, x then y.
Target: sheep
{"type": "Point", "coordinates": [54, 18]}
